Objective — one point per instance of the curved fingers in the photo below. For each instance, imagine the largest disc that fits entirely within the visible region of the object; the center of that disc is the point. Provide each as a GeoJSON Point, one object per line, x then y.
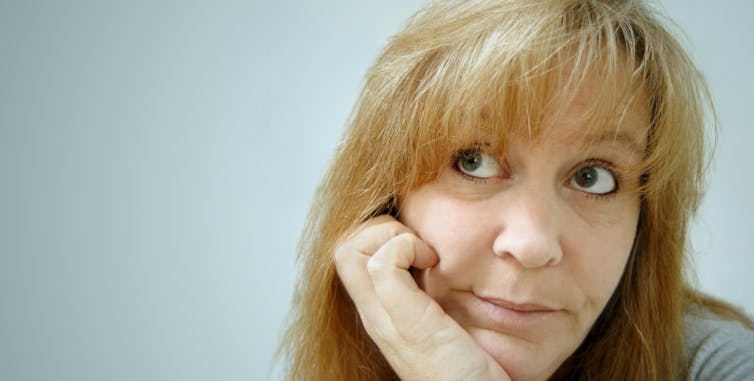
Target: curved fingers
{"type": "Point", "coordinates": [416, 336]}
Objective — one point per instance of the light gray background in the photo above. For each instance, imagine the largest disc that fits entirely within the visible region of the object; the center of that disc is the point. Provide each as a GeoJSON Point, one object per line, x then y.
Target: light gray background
{"type": "Point", "coordinates": [157, 159]}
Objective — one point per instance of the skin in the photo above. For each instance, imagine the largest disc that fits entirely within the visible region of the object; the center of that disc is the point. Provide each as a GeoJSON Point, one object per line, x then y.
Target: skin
{"type": "Point", "coordinates": [512, 263]}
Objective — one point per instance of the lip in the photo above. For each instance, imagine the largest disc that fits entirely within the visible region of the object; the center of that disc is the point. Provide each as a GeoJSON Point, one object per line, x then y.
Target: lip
{"type": "Point", "coordinates": [518, 307]}
{"type": "Point", "coordinates": [504, 313]}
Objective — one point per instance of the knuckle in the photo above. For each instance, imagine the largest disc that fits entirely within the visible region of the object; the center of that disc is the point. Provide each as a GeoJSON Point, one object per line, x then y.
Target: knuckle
{"type": "Point", "coordinates": [345, 257]}
{"type": "Point", "coordinates": [382, 218]}
{"type": "Point", "coordinates": [376, 264]}
{"type": "Point", "coordinates": [396, 229]}
{"type": "Point", "coordinates": [372, 223]}
{"type": "Point", "coordinates": [342, 253]}
{"type": "Point", "coordinates": [403, 246]}
{"type": "Point", "coordinates": [405, 239]}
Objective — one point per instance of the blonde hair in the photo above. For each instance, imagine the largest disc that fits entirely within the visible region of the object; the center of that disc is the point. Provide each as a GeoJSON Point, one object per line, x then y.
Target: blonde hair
{"type": "Point", "coordinates": [460, 69]}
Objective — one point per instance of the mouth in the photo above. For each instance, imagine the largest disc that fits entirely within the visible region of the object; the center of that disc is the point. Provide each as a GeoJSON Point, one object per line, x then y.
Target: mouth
{"type": "Point", "coordinates": [505, 313]}
{"type": "Point", "coordinates": [519, 307]}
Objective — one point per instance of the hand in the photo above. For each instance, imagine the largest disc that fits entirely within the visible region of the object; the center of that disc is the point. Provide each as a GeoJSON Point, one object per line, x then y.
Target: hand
{"type": "Point", "coordinates": [418, 339]}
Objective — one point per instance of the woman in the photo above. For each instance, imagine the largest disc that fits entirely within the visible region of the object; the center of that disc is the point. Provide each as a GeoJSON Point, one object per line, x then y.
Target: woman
{"type": "Point", "coordinates": [511, 201]}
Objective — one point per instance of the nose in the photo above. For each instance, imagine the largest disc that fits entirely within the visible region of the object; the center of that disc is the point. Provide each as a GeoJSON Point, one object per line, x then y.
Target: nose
{"type": "Point", "coordinates": [530, 229]}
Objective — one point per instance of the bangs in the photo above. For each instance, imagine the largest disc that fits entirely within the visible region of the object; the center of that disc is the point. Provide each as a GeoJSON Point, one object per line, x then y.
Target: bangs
{"type": "Point", "coordinates": [481, 76]}
{"type": "Point", "coordinates": [466, 73]}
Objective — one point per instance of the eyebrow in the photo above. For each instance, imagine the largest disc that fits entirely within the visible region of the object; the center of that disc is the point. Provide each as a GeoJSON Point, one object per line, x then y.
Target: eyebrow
{"type": "Point", "coordinates": [625, 139]}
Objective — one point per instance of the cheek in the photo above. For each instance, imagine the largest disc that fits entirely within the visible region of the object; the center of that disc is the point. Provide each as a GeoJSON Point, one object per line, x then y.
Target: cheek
{"type": "Point", "coordinates": [457, 231]}
{"type": "Point", "coordinates": [597, 263]}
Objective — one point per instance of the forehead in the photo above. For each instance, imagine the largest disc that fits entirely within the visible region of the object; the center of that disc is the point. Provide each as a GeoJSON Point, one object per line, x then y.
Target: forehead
{"type": "Point", "coordinates": [597, 111]}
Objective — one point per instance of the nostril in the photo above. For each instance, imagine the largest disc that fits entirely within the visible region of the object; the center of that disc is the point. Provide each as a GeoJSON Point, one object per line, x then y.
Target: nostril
{"type": "Point", "coordinates": [528, 253]}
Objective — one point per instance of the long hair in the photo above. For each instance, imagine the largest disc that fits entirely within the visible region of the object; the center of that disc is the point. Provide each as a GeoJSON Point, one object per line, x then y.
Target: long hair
{"type": "Point", "coordinates": [464, 68]}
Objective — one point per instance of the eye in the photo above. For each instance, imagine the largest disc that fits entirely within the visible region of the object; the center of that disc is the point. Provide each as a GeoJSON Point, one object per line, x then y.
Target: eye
{"type": "Point", "coordinates": [475, 163]}
{"type": "Point", "coordinates": [594, 179]}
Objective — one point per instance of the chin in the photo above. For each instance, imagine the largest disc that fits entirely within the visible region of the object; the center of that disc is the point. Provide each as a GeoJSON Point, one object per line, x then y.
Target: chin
{"type": "Point", "coordinates": [521, 359]}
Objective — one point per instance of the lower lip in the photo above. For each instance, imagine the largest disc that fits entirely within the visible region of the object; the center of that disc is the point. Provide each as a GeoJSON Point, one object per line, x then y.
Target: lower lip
{"type": "Point", "coordinates": [512, 318]}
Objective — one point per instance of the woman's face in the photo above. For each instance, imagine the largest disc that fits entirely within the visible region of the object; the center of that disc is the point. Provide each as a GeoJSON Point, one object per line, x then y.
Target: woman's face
{"type": "Point", "coordinates": [533, 242]}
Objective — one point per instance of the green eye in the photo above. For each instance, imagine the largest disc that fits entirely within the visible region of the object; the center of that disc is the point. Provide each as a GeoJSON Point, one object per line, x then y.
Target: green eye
{"type": "Point", "coordinates": [594, 179]}
{"type": "Point", "coordinates": [475, 163]}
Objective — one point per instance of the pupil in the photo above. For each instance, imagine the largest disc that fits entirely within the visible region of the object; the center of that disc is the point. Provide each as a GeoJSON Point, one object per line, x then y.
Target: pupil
{"type": "Point", "coordinates": [471, 160]}
{"type": "Point", "coordinates": [586, 177]}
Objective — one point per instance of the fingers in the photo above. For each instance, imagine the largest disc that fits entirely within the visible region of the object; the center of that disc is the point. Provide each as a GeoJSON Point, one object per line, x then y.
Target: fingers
{"type": "Point", "coordinates": [351, 258]}
{"type": "Point", "coordinates": [373, 264]}
{"type": "Point", "coordinates": [404, 251]}
{"type": "Point", "coordinates": [371, 235]}
{"type": "Point", "coordinates": [401, 298]}
{"type": "Point", "coordinates": [406, 324]}
{"type": "Point", "coordinates": [424, 256]}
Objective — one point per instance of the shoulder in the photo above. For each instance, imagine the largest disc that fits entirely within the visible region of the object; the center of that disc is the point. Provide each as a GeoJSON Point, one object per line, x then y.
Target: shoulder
{"type": "Point", "coordinates": [718, 349]}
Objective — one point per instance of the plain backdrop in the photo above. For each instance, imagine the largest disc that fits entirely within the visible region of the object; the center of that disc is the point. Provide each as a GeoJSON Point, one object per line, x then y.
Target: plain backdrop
{"type": "Point", "coordinates": [157, 160]}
